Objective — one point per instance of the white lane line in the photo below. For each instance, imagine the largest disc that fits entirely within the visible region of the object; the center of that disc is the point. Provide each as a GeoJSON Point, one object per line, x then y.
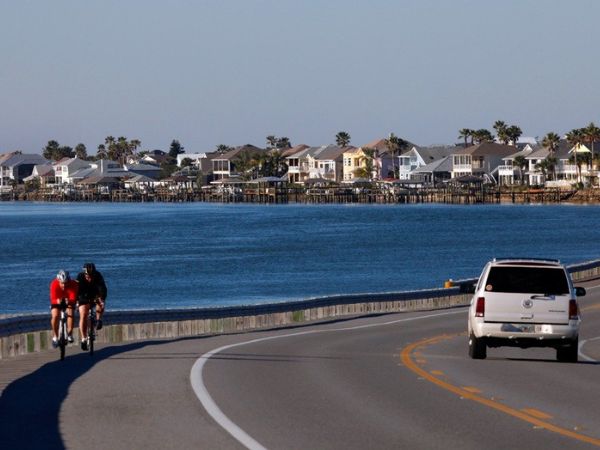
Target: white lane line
{"type": "Point", "coordinates": [197, 379]}
{"type": "Point", "coordinates": [583, 355]}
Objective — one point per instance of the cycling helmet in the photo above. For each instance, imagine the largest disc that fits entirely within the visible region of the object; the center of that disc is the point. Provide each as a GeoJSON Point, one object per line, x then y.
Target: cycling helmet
{"type": "Point", "coordinates": [89, 268]}
{"type": "Point", "coordinates": [63, 276]}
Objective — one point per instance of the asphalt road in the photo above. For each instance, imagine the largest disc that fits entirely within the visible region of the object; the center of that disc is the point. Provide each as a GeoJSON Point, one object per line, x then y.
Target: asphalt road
{"type": "Point", "coordinates": [391, 381]}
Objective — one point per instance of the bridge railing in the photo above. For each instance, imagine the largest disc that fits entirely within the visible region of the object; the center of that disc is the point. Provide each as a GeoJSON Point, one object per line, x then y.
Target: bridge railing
{"type": "Point", "coordinates": [28, 333]}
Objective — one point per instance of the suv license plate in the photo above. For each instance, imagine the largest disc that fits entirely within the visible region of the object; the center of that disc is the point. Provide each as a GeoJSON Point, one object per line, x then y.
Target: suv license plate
{"type": "Point", "coordinates": [526, 328]}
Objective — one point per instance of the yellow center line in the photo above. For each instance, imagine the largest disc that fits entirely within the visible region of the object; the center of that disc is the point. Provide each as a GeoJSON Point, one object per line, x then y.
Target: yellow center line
{"type": "Point", "coordinates": [405, 356]}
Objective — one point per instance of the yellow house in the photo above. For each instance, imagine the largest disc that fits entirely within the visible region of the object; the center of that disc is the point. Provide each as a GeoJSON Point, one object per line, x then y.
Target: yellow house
{"type": "Point", "coordinates": [354, 158]}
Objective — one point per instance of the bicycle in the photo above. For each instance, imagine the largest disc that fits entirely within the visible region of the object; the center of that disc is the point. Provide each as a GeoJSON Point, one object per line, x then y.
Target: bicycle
{"type": "Point", "coordinates": [91, 337]}
{"type": "Point", "coordinates": [62, 328]}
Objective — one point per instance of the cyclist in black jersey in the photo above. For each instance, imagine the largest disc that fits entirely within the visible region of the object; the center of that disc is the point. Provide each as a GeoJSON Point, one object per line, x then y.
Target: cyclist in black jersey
{"type": "Point", "coordinates": [92, 288]}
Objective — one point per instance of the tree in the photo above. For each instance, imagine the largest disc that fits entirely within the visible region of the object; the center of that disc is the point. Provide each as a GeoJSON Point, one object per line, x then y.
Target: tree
{"type": "Point", "coordinates": [175, 149]}
{"type": "Point", "coordinates": [482, 135]}
{"type": "Point", "coordinates": [283, 143]}
{"type": "Point", "coordinates": [275, 143]}
{"type": "Point", "coordinates": [501, 128]}
{"type": "Point", "coordinates": [54, 151]}
{"type": "Point", "coordinates": [271, 141]}
{"type": "Point", "coordinates": [521, 162]}
{"type": "Point", "coordinates": [551, 141]}
{"type": "Point", "coordinates": [592, 134]}
{"type": "Point", "coordinates": [81, 151]}
{"type": "Point", "coordinates": [342, 139]}
{"type": "Point", "coordinates": [576, 138]}
{"type": "Point", "coordinates": [50, 149]}
{"type": "Point", "coordinates": [395, 144]}
{"type": "Point", "coordinates": [222, 148]}
{"type": "Point", "coordinates": [101, 152]}
{"type": "Point", "coordinates": [466, 133]}
{"type": "Point", "coordinates": [513, 133]}
{"type": "Point", "coordinates": [187, 162]}
{"type": "Point", "coordinates": [366, 170]}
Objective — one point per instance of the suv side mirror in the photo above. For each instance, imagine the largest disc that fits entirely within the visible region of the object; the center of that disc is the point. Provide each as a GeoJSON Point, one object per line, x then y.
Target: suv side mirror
{"type": "Point", "coordinates": [579, 291]}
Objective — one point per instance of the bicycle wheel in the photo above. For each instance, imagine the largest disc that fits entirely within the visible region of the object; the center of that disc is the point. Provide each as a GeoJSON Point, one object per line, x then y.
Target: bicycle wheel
{"type": "Point", "coordinates": [62, 338]}
{"type": "Point", "coordinates": [92, 332]}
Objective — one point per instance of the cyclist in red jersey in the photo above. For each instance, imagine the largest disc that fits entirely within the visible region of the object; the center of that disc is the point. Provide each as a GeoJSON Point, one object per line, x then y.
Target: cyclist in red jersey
{"type": "Point", "coordinates": [62, 287]}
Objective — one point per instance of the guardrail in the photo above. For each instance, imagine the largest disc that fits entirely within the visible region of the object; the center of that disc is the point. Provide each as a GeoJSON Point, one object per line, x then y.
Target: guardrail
{"type": "Point", "coordinates": [31, 332]}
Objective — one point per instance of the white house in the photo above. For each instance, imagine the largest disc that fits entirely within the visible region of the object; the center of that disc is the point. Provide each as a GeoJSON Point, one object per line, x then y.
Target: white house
{"type": "Point", "coordinates": [66, 167]}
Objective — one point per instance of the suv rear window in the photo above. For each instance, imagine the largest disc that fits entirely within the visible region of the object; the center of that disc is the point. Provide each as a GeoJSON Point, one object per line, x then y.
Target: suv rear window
{"type": "Point", "coordinates": [538, 280]}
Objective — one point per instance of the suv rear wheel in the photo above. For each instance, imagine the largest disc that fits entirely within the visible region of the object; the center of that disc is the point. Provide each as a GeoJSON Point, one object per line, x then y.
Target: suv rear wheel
{"type": "Point", "coordinates": [568, 353]}
{"type": "Point", "coordinates": [477, 347]}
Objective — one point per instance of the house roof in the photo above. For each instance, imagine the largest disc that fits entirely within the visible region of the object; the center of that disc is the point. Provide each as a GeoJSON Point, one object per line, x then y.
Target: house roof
{"type": "Point", "coordinates": [381, 145]}
{"type": "Point", "coordinates": [330, 152]}
{"type": "Point", "coordinates": [433, 153]}
{"type": "Point", "coordinates": [562, 152]}
{"type": "Point", "coordinates": [525, 152]}
{"type": "Point", "coordinates": [231, 154]}
{"type": "Point", "coordinates": [440, 165]}
{"type": "Point", "coordinates": [16, 159]}
{"type": "Point", "coordinates": [293, 150]}
{"type": "Point", "coordinates": [485, 148]}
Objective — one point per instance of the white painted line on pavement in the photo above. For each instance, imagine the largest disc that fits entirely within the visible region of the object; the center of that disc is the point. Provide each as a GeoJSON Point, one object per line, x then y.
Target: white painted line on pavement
{"type": "Point", "coordinates": [197, 379]}
{"type": "Point", "coordinates": [583, 355]}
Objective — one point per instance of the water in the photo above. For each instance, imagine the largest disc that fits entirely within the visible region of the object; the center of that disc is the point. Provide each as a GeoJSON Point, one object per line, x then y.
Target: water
{"type": "Point", "coordinates": [199, 254]}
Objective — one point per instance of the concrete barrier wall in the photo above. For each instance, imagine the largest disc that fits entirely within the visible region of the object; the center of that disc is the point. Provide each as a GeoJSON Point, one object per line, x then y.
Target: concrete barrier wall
{"type": "Point", "coordinates": [31, 333]}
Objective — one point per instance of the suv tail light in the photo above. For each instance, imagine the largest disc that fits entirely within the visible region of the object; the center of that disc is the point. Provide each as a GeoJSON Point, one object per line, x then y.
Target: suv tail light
{"type": "Point", "coordinates": [480, 307]}
{"type": "Point", "coordinates": [573, 310]}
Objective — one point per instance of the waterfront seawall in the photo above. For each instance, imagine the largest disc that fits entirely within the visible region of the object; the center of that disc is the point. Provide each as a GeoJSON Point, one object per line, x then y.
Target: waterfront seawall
{"type": "Point", "coordinates": [29, 333]}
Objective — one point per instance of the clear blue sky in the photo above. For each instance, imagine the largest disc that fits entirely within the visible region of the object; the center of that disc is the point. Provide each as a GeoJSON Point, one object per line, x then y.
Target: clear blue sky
{"type": "Point", "coordinates": [209, 72]}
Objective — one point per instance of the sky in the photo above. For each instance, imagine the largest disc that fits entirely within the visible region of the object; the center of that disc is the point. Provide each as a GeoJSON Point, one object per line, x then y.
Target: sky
{"type": "Point", "coordinates": [210, 72]}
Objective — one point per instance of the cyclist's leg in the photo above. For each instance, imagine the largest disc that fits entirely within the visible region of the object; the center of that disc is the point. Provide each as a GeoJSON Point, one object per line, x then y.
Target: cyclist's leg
{"type": "Point", "coordinates": [70, 313]}
{"type": "Point", "coordinates": [54, 318]}
{"type": "Point", "coordinates": [99, 312]}
{"type": "Point", "coordinates": [83, 320]}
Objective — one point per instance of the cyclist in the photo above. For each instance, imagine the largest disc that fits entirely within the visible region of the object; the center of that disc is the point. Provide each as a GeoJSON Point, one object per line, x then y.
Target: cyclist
{"type": "Point", "coordinates": [62, 287]}
{"type": "Point", "coordinates": [92, 288]}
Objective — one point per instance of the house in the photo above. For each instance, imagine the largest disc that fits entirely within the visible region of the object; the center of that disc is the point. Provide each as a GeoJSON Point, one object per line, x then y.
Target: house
{"type": "Point", "coordinates": [148, 170]}
{"type": "Point", "coordinates": [354, 159]}
{"type": "Point", "coordinates": [44, 173]}
{"type": "Point", "coordinates": [66, 167]}
{"type": "Point", "coordinates": [98, 170]}
{"type": "Point", "coordinates": [481, 160]}
{"type": "Point", "coordinates": [297, 163]}
{"type": "Point", "coordinates": [509, 172]}
{"type": "Point", "coordinates": [563, 172]}
{"type": "Point", "coordinates": [421, 156]}
{"type": "Point", "coordinates": [16, 166]}
{"type": "Point", "coordinates": [156, 157]}
{"type": "Point", "coordinates": [435, 172]}
{"type": "Point", "coordinates": [195, 157]}
{"type": "Point", "coordinates": [224, 165]}
{"type": "Point", "coordinates": [326, 163]}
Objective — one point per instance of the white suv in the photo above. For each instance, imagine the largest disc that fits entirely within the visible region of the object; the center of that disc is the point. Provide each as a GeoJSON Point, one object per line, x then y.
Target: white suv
{"type": "Point", "coordinates": [525, 303]}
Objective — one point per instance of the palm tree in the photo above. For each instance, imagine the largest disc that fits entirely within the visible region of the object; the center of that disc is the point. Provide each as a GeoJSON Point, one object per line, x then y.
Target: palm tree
{"type": "Point", "coordinates": [521, 162]}
{"type": "Point", "coordinates": [222, 148]}
{"type": "Point", "coordinates": [395, 144]}
{"type": "Point", "coordinates": [81, 151]}
{"type": "Point", "coordinates": [513, 133]}
{"type": "Point", "coordinates": [501, 129]}
{"type": "Point", "coordinates": [592, 134]}
{"type": "Point", "coordinates": [482, 135]}
{"type": "Point", "coordinates": [101, 153]}
{"type": "Point", "coordinates": [551, 141]}
{"type": "Point", "coordinates": [465, 133]}
{"type": "Point", "coordinates": [271, 141]}
{"type": "Point", "coordinates": [576, 137]}
{"type": "Point", "coordinates": [366, 170]}
{"type": "Point", "coordinates": [342, 139]}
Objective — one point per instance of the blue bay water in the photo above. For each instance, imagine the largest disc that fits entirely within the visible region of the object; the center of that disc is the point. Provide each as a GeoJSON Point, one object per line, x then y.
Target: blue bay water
{"type": "Point", "coordinates": [206, 254]}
